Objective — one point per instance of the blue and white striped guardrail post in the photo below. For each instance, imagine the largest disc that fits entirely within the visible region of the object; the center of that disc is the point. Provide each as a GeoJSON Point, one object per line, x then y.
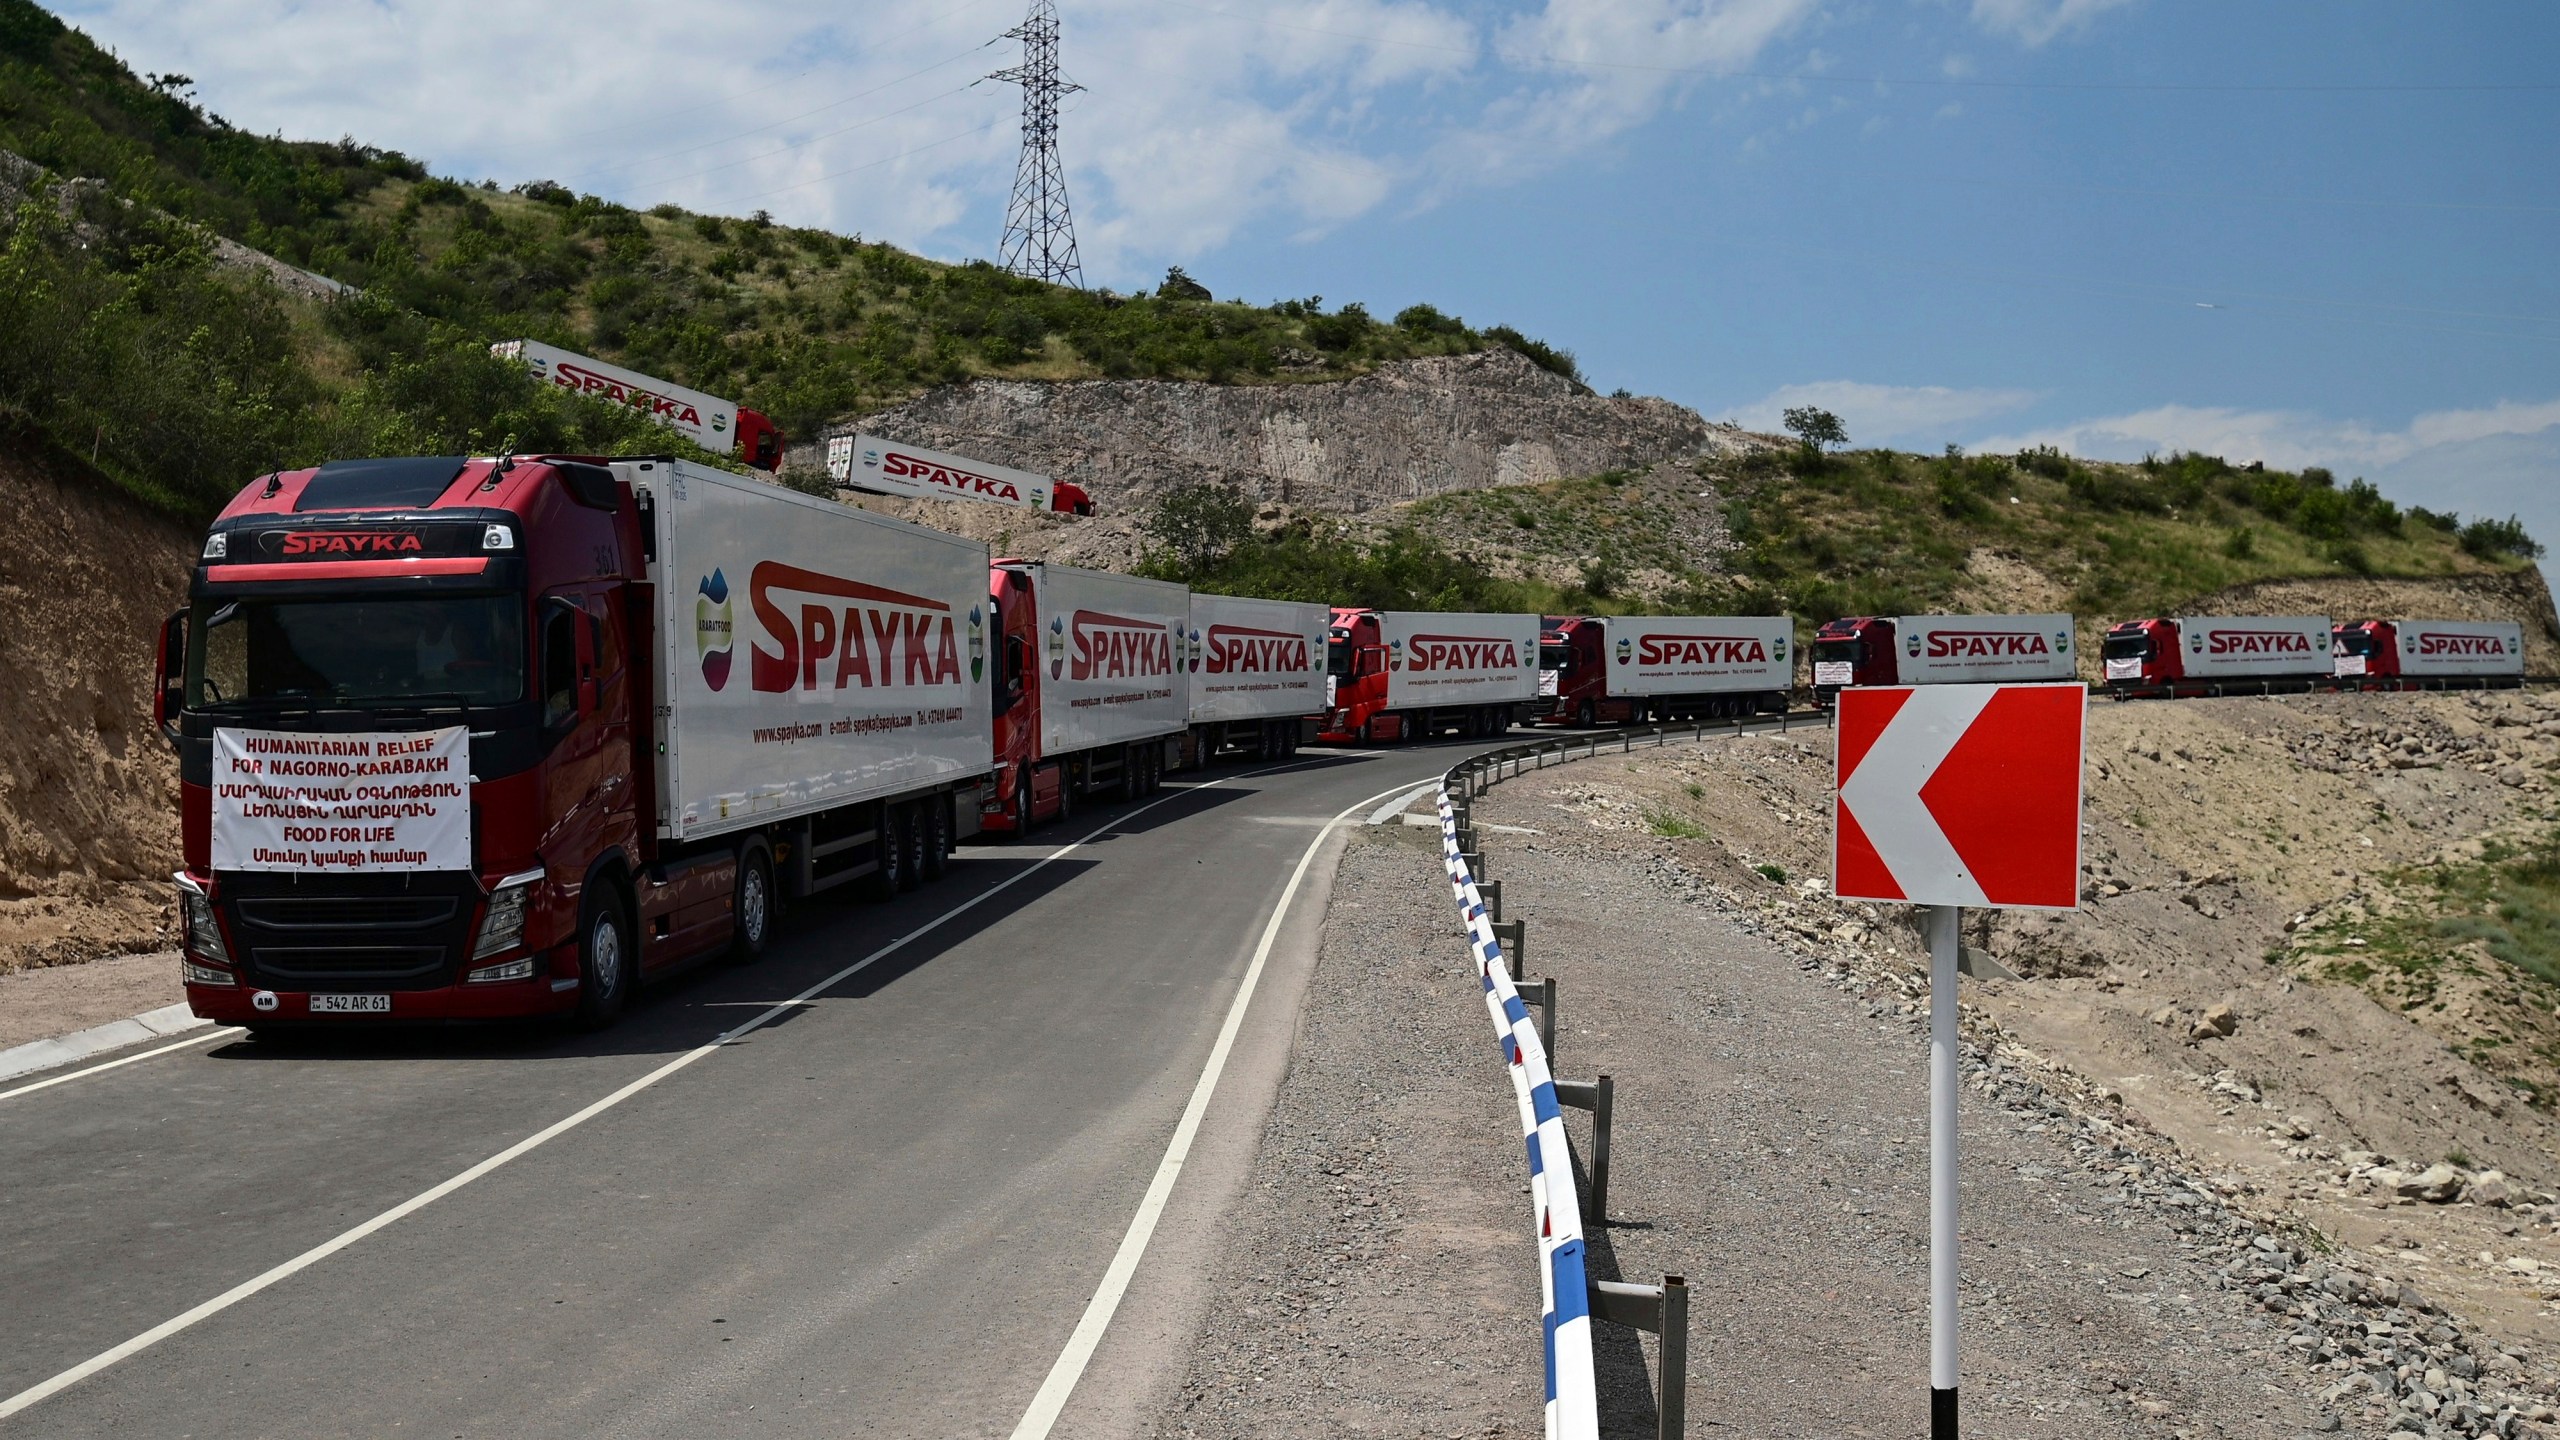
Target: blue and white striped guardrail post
{"type": "Point", "coordinates": [1573, 1405]}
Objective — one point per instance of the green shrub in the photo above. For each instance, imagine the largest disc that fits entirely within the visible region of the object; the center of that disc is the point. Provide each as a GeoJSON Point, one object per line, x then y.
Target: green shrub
{"type": "Point", "coordinates": [1673, 827]}
{"type": "Point", "coordinates": [1546, 357]}
{"type": "Point", "coordinates": [2499, 539]}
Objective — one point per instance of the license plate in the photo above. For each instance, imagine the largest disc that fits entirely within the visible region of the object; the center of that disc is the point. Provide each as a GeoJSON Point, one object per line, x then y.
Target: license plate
{"type": "Point", "coordinates": [350, 1004]}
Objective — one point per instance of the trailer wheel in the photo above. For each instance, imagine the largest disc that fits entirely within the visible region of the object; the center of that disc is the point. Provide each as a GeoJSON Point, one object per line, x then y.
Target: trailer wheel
{"type": "Point", "coordinates": [1066, 793]}
{"type": "Point", "coordinates": [1155, 768]}
{"type": "Point", "coordinates": [608, 965]}
{"type": "Point", "coordinates": [751, 913]}
{"type": "Point", "coordinates": [911, 834]}
{"type": "Point", "coordinates": [890, 851]}
{"type": "Point", "coordinates": [937, 839]}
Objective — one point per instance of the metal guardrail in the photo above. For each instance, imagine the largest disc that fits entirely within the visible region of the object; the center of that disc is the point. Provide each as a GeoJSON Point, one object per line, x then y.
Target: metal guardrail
{"type": "Point", "coordinates": [1572, 1298]}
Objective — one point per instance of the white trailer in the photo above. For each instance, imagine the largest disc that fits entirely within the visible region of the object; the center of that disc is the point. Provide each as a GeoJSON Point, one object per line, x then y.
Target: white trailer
{"type": "Point", "coordinates": [871, 462]}
{"type": "Point", "coordinates": [814, 661]}
{"type": "Point", "coordinates": [719, 426]}
{"type": "Point", "coordinates": [1256, 673]}
{"type": "Point", "coordinates": [1982, 649]}
{"type": "Point", "coordinates": [2448, 649]}
{"type": "Point", "coordinates": [1108, 676]}
{"type": "Point", "coordinates": [1436, 659]}
{"type": "Point", "coordinates": [1673, 655]}
{"type": "Point", "coordinates": [2253, 647]}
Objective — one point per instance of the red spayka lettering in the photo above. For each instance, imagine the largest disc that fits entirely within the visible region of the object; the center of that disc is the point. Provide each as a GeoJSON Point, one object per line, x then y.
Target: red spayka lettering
{"type": "Point", "coordinates": [886, 638]}
{"type": "Point", "coordinates": [2488, 645]}
{"type": "Point", "coordinates": [1701, 650]}
{"type": "Point", "coordinates": [966, 482]}
{"type": "Point", "coordinates": [2257, 642]}
{"type": "Point", "coordinates": [1238, 650]}
{"type": "Point", "coordinates": [351, 542]}
{"type": "Point", "coordinates": [1460, 652]}
{"type": "Point", "coordinates": [1110, 647]}
{"type": "Point", "coordinates": [578, 377]}
{"type": "Point", "coordinates": [1984, 644]}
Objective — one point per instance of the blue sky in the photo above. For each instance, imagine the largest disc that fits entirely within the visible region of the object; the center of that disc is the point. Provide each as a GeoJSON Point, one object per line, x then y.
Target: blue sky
{"type": "Point", "coordinates": [2304, 233]}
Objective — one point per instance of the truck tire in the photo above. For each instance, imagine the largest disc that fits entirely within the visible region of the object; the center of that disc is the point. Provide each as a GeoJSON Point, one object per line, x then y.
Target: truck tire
{"type": "Point", "coordinates": [937, 839]}
{"type": "Point", "coordinates": [1023, 809]}
{"type": "Point", "coordinates": [1066, 794]}
{"type": "Point", "coordinates": [752, 909]}
{"type": "Point", "coordinates": [911, 834]}
{"type": "Point", "coordinates": [1153, 777]}
{"type": "Point", "coordinates": [889, 851]}
{"type": "Point", "coordinates": [608, 963]}
{"type": "Point", "coordinates": [1584, 716]}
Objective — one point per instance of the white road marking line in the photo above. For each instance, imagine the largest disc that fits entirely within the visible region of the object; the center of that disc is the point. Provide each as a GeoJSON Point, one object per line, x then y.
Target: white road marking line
{"type": "Point", "coordinates": [308, 1258]}
{"type": "Point", "coordinates": [223, 1033]}
{"type": "Point", "coordinates": [1051, 1399]}
{"type": "Point", "coordinates": [1387, 812]}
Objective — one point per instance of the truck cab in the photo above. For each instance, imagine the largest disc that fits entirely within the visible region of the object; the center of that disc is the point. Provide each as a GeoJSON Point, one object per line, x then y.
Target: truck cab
{"type": "Point", "coordinates": [760, 442]}
{"type": "Point", "coordinates": [1573, 674]}
{"type": "Point", "coordinates": [500, 600]}
{"type": "Point", "coordinates": [2142, 657]}
{"type": "Point", "coordinates": [1355, 676]}
{"type": "Point", "coordinates": [1852, 650]}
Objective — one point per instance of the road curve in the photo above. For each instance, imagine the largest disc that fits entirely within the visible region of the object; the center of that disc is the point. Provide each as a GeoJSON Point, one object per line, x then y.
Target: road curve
{"type": "Point", "coordinates": [883, 1213]}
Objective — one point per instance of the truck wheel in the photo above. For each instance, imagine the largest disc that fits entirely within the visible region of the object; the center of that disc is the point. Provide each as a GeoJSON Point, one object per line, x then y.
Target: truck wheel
{"type": "Point", "coordinates": [1023, 809]}
{"type": "Point", "coordinates": [751, 914]}
{"type": "Point", "coordinates": [911, 834]}
{"type": "Point", "coordinates": [1154, 778]}
{"type": "Point", "coordinates": [608, 963]}
{"type": "Point", "coordinates": [890, 851]}
{"type": "Point", "coordinates": [937, 838]}
{"type": "Point", "coordinates": [1066, 794]}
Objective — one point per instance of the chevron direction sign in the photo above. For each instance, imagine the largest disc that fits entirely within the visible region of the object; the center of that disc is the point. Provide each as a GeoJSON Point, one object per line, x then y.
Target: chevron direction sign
{"type": "Point", "coordinates": [1959, 795]}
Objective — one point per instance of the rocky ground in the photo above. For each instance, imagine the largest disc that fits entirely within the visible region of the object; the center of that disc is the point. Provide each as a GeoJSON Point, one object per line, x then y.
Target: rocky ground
{"type": "Point", "coordinates": [1770, 1147]}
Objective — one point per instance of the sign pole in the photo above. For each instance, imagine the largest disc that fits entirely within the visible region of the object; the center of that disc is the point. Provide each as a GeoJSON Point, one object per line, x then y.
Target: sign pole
{"type": "Point", "coordinates": [1941, 924]}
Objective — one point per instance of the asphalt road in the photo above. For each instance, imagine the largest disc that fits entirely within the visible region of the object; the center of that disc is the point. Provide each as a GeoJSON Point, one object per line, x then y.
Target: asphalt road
{"type": "Point", "coordinates": [882, 1214]}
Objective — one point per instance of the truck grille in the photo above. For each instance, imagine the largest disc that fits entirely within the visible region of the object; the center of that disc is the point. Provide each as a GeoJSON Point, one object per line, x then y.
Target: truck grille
{"type": "Point", "coordinates": [342, 932]}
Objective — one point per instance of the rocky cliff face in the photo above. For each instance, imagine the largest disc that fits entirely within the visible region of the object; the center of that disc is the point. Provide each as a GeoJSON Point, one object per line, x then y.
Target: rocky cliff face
{"type": "Point", "coordinates": [1406, 430]}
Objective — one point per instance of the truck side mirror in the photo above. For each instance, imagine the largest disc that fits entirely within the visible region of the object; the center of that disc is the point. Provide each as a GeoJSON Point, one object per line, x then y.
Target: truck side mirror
{"type": "Point", "coordinates": [170, 697]}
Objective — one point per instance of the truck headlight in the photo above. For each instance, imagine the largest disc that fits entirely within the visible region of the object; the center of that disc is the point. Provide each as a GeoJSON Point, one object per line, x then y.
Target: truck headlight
{"type": "Point", "coordinates": [502, 927]}
{"type": "Point", "coordinates": [195, 974]}
{"type": "Point", "coordinates": [204, 936]}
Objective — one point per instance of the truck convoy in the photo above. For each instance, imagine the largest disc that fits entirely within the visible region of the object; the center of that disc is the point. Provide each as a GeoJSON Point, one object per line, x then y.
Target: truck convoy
{"type": "Point", "coordinates": [885, 467]}
{"type": "Point", "coordinates": [2210, 654]}
{"type": "Point", "coordinates": [1939, 650]}
{"type": "Point", "coordinates": [719, 426]}
{"type": "Point", "coordinates": [1406, 674]}
{"type": "Point", "coordinates": [2427, 654]}
{"type": "Point", "coordinates": [1633, 669]}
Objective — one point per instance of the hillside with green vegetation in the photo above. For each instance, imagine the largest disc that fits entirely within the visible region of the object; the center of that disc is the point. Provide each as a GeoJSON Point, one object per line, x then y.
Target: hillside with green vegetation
{"type": "Point", "coordinates": [1796, 530]}
{"type": "Point", "coordinates": [180, 379]}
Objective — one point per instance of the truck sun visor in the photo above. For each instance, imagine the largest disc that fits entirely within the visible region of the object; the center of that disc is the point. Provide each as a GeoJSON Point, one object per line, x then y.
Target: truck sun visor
{"type": "Point", "coordinates": [405, 482]}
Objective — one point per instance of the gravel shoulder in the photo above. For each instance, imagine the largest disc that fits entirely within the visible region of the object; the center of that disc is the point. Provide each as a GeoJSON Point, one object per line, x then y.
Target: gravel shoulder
{"type": "Point", "coordinates": [59, 999]}
{"type": "Point", "coordinates": [1770, 1145]}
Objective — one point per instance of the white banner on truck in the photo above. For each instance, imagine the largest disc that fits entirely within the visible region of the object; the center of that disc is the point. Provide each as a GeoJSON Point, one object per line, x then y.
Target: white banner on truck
{"type": "Point", "coordinates": [1697, 654]}
{"type": "Point", "coordinates": [2224, 647]}
{"type": "Point", "coordinates": [1255, 659]}
{"type": "Point", "coordinates": [813, 655]}
{"type": "Point", "coordinates": [1982, 649]}
{"type": "Point", "coordinates": [2461, 647]}
{"type": "Point", "coordinates": [1108, 648]}
{"type": "Point", "coordinates": [868, 462]}
{"type": "Point", "coordinates": [1458, 659]}
{"type": "Point", "coordinates": [706, 420]}
{"type": "Point", "coordinates": [342, 804]}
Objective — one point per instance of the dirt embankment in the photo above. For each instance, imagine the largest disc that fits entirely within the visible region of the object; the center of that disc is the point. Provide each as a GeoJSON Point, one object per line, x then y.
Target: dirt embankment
{"type": "Point", "coordinates": [88, 791]}
{"type": "Point", "coordinates": [2287, 958]}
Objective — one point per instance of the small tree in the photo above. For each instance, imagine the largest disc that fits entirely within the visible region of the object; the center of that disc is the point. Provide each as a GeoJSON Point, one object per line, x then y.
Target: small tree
{"type": "Point", "coordinates": [1815, 428]}
{"type": "Point", "coordinates": [1198, 525]}
{"type": "Point", "coordinates": [1180, 286]}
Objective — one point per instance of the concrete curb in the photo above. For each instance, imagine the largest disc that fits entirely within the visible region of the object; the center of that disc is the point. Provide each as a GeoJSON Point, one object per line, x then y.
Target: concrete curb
{"type": "Point", "coordinates": [97, 1040]}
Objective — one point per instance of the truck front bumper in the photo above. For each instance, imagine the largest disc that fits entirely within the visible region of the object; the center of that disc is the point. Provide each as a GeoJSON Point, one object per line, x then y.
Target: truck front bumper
{"type": "Point", "coordinates": [504, 1000]}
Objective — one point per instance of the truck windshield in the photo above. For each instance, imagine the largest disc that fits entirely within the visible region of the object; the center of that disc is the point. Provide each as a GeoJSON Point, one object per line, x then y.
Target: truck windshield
{"type": "Point", "coordinates": [287, 654]}
{"type": "Point", "coordinates": [1842, 651]}
{"type": "Point", "coordinates": [1555, 657]}
{"type": "Point", "coordinates": [2126, 647]}
{"type": "Point", "coordinates": [2352, 642]}
{"type": "Point", "coordinates": [1337, 655]}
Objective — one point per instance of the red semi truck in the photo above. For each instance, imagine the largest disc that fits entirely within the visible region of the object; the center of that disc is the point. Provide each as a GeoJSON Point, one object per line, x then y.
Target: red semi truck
{"type": "Point", "coordinates": [1939, 650]}
{"type": "Point", "coordinates": [1626, 669]}
{"type": "Point", "coordinates": [885, 467]}
{"type": "Point", "coordinates": [1402, 674]}
{"type": "Point", "coordinates": [1088, 688]}
{"type": "Point", "coordinates": [2427, 654]}
{"type": "Point", "coordinates": [481, 738]}
{"type": "Point", "coordinates": [2213, 654]}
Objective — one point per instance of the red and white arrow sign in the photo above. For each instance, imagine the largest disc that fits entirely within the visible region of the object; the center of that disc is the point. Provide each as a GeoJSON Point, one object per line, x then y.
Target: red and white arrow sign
{"type": "Point", "coordinates": [1959, 795]}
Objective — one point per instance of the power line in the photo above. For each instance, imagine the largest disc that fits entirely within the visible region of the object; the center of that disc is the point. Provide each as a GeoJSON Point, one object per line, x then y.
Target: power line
{"type": "Point", "coordinates": [1039, 231]}
{"type": "Point", "coordinates": [1942, 82]}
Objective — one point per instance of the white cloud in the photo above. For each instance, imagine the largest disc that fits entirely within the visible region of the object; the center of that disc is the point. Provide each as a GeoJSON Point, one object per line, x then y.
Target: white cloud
{"type": "Point", "coordinates": [1198, 120]}
{"type": "Point", "coordinates": [2036, 22]}
{"type": "Point", "coordinates": [2287, 439]}
{"type": "Point", "coordinates": [1874, 414]}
